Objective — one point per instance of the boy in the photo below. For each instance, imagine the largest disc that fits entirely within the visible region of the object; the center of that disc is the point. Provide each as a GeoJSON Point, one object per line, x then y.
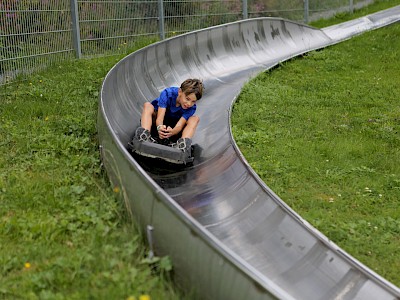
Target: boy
{"type": "Point", "coordinates": [172, 114]}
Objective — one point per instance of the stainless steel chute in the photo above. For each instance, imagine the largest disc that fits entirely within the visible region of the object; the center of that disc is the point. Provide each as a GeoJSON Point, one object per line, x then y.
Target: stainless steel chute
{"type": "Point", "coordinates": [228, 234]}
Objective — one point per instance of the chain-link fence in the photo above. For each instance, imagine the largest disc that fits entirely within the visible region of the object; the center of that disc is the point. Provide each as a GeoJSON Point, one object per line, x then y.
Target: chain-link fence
{"type": "Point", "coordinates": [34, 34]}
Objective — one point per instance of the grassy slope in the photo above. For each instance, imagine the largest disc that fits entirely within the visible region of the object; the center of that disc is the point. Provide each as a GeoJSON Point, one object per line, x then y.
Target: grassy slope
{"type": "Point", "coordinates": [323, 131]}
{"type": "Point", "coordinates": [342, 17]}
{"type": "Point", "coordinates": [63, 233]}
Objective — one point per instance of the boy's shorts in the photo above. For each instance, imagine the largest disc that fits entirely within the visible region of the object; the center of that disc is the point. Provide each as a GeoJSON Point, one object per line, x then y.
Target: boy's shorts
{"type": "Point", "coordinates": [167, 122]}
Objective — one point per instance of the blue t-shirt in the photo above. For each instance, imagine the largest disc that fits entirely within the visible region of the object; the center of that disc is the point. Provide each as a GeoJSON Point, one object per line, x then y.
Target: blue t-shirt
{"type": "Point", "coordinates": [167, 100]}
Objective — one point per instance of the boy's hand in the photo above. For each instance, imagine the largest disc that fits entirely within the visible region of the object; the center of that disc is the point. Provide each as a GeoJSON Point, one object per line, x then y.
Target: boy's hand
{"type": "Point", "coordinates": [161, 131]}
{"type": "Point", "coordinates": [164, 132]}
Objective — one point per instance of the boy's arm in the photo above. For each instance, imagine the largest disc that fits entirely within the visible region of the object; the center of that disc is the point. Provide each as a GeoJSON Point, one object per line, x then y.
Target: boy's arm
{"type": "Point", "coordinates": [160, 116]}
{"type": "Point", "coordinates": [160, 122]}
{"type": "Point", "coordinates": [179, 126]}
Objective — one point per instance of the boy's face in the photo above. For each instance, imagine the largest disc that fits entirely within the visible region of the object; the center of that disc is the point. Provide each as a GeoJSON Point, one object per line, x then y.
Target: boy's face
{"type": "Point", "coordinates": [186, 101]}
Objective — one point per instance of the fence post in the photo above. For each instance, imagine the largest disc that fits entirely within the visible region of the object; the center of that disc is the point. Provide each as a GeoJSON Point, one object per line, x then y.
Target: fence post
{"type": "Point", "coordinates": [161, 19]}
{"type": "Point", "coordinates": [351, 6]}
{"type": "Point", "coordinates": [306, 11]}
{"type": "Point", "coordinates": [245, 13]}
{"type": "Point", "coordinates": [76, 36]}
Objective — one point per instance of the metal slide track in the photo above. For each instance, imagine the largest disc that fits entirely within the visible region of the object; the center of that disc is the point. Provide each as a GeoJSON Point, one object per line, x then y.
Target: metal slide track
{"type": "Point", "coordinates": [229, 236]}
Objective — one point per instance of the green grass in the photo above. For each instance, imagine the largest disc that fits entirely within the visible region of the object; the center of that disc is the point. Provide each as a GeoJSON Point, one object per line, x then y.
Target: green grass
{"type": "Point", "coordinates": [323, 132]}
{"type": "Point", "coordinates": [63, 232]}
{"type": "Point", "coordinates": [343, 17]}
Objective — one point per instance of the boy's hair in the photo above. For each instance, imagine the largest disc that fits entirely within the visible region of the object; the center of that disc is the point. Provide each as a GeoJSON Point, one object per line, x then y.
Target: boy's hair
{"type": "Point", "coordinates": [195, 86]}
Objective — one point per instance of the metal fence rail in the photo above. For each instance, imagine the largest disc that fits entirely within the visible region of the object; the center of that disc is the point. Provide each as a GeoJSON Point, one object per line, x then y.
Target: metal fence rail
{"type": "Point", "coordinates": [36, 34]}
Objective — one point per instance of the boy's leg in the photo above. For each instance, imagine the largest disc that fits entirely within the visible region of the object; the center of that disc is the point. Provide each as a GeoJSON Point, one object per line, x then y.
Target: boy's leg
{"type": "Point", "coordinates": [143, 133]}
{"type": "Point", "coordinates": [190, 128]}
{"type": "Point", "coordinates": [147, 116]}
{"type": "Point", "coordinates": [184, 143]}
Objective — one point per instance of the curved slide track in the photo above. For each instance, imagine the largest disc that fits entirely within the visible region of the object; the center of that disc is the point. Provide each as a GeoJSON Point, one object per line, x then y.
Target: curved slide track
{"type": "Point", "coordinates": [229, 236]}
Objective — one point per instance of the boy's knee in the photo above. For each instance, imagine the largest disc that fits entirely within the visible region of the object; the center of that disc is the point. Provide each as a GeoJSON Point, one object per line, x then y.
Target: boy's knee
{"type": "Point", "coordinates": [148, 107]}
{"type": "Point", "coordinates": [194, 120]}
